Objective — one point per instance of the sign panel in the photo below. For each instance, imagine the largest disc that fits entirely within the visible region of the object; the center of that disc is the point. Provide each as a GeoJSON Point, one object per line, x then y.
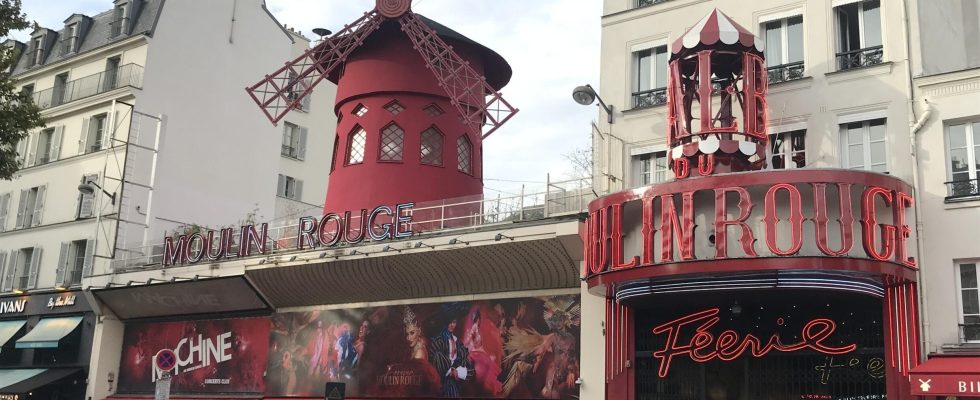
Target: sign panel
{"type": "Point", "coordinates": [526, 348]}
{"type": "Point", "coordinates": [215, 356]}
{"type": "Point", "coordinates": [946, 385]}
{"type": "Point", "coordinates": [44, 304]}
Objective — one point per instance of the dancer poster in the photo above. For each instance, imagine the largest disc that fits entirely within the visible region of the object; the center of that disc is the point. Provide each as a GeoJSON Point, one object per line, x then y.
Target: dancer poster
{"type": "Point", "coordinates": [509, 348]}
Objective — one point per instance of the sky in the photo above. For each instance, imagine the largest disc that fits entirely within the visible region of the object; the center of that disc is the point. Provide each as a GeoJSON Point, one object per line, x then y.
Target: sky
{"type": "Point", "coordinates": [552, 46]}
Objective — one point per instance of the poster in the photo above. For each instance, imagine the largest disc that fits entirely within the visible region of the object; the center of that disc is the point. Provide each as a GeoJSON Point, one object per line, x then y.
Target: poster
{"type": "Point", "coordinates": [214, 356]}
{"type": "Point", "coordinates": [508, 348]}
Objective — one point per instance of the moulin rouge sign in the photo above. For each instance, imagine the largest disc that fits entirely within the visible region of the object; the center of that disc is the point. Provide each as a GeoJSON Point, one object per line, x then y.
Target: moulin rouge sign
{"type": "Point", "coordinates": [660, 225]}
{"type": "Point", "coordinates": [382, 223]}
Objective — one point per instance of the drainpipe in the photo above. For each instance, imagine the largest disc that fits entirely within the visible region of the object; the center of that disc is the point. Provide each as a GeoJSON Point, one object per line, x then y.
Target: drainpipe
{"type": "Point", "coordinates": [915, 125]}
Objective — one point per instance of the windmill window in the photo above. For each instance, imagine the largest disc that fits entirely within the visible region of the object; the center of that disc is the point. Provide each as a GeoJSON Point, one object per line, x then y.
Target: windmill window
{"type": "Point", "coordinates": [355, 147]}
{"type": "Point", "coordinates": [394, 108]}
{"type": "Point", "coordinates": [360, 110]}
{"type": "Point", "coordinates": [431, 149]}
{"type": "Point", "coordinates": [433, 110]}
{"type": "Point", "coordinates": [464, 155]}
{"type": "Point", "coordinates": [392, 143]}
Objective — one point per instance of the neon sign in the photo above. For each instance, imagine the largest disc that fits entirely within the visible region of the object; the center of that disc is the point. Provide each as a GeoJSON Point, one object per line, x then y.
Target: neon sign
{"type": "Point", "coordinates": [729, 345]}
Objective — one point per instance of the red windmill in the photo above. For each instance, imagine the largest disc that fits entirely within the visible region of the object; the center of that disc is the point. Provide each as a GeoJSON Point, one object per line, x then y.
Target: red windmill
{"type": "Point", "coordinates": [415, 100]}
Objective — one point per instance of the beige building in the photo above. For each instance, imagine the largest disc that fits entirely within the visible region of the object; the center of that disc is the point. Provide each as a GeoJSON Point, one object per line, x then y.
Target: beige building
{"type": "Point", "coordinates": [883, 86]}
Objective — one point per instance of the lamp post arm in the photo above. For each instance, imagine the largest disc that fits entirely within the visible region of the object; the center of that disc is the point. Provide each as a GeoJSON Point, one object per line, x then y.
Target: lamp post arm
{"type": "Point", "coordinates": [608, 108]}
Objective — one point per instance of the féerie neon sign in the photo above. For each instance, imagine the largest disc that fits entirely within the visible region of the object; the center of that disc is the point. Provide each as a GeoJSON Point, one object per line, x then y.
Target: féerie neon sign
{"type": "Point", "coordinates": [728, 345]}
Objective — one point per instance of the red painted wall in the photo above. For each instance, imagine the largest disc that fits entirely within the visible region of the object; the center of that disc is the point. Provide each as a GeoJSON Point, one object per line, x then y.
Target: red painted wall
{"type": "Point", "coordinates": [387, 68]}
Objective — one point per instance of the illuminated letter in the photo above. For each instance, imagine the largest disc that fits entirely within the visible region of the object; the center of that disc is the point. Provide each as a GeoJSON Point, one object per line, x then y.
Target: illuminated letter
{"type": "Point", "coordinates": [902, 202]}
{"type": "Point", "coordinates": [202, 246]}
{"type": "Point", "coordinates": [322, 232]}
{"type": "Point", "coordinates": [173, 253]}
{"type": "Point", "coordinates": [795, 219]}
{"type": "Point", "coordinates": [846, 219]}
{"type": "Point", "coordinates": [307, 225]}
{"type": "Point", "coordinates": [403, 215]}
{"type": "Point", "coordinates": [706, 164]}
{"type": "Point", "coordinates": [616, 237]}
{"type": "Point", "coordinates": [386, 227]}
{"type": "Point", "coordinates": [600, 254]}
{"type": "Point", "coordinates": [360, 227]}
{"type": "Point", "coordinates": [249, 237]}
{"type": "Point", "coordinates": [686, 227]}
{"type": "Point", "coordinates": [869, 222]}
{"type": "Point", "coordinates": [721, 222]}
{"type": "Point", "coordinates": [647, 230]}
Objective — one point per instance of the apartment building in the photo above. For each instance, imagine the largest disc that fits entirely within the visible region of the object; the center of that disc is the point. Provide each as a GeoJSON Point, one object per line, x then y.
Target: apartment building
{"type": "Point", "coordinates": [145, 109]}
{"type": "Point", "coordinates": [881, 86]}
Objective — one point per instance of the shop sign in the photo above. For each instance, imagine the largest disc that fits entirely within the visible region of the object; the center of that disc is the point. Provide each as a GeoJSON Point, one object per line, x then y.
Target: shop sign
{"type": "Point", "coordinates": [946, 385]}
{"type": "Point", "coordinates": [13, 306]}
{"type": "Point", "coordinates": [729, 345]}
{"type": "Point", "coordinates": [880, 214]}
{"type": "Point", "coordinates": [42, 304]}
{"type": "Point", "coordinates": [66, 300]}
{"type": "Point", "coordinates": [382, 223]}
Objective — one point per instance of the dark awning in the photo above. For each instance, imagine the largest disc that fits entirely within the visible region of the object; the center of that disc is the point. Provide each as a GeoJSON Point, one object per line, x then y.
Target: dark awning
{"type": "Point", "coordinates": [35, 378]}
{"type": "Point", "coordinates": [183, 298]}
{"type": "Point", "coordinates": [10, 328]}
{"type": "Point", "coordinates": [48, 333]}
{"type": "Point", "coordinates": [947, 375]}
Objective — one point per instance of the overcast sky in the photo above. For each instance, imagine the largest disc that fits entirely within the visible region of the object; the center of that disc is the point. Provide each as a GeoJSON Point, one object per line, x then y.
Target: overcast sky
{"type": "Point", "coordinates": [552, 45]}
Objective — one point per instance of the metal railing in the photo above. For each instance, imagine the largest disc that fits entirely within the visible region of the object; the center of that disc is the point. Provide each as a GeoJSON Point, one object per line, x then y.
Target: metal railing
{"type": "Point", "coordinates": [557, 199]}
{"type": "Point", "coordinates": [646, 3]}
{"type": "Point", "coordinates": [969, 332]}
{"type": "Point", "coordinates": [785, 72]}
{"type": "Point", "coordinates": [126, 75]}
{"type": "Point", "coordinates": [859, 58]}
{"type": "Point", "coordinates": [962, 188]}
{"type": "Point", "coordinates": [650, 98]}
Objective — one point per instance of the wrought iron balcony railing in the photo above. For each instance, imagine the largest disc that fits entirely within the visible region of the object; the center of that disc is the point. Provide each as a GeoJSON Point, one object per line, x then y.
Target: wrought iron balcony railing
{"type": "Point", "coordinates": [645, 3]}
{"type": "Point", "coordinates": [969, 333]}
{"type": "Point", "coordinates": [962, 188]}
{"type": "Point", "coordinates": [859, 58]}
{"type": "Point", "coordinates": [126, 75]}
{"type": "Point", "coordinates": [785, 72]}
{"type": "Point", "coordinates": [650, 98]}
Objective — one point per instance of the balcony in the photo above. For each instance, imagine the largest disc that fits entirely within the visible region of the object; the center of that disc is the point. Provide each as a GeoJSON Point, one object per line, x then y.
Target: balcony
{"type": "Point", "coordinates": [647, 3]}
{"type": "Point", "coordinates": [650, 98]}
{"type": "Point", "coordinates": [127, 75]}
{"type": "Point", "coordinates": [962, 189]}
{"type": "Point", "coordinates": [785, 72]}
{"type": "Point", "coordinates": [969, 332]}
{"type": "Point", "coordinates": [860, 58]}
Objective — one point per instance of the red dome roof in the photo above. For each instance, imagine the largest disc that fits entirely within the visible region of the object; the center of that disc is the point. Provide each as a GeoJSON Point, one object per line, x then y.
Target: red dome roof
{"type": "Point", "coordinates": [716, 28]}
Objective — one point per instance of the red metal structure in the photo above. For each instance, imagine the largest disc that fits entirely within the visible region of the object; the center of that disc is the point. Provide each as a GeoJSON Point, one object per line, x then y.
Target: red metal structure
{"type": "Point", "coordinates": [415, 100]}
{"type": "Point", "coordinates": [717, 57]}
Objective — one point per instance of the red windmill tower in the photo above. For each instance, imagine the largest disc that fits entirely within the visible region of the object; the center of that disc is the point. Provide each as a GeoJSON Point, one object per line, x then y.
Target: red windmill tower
{"type": "Point", "coordinates": [415, 100]}
{"type": "Point", "coordinates": [717, 94]}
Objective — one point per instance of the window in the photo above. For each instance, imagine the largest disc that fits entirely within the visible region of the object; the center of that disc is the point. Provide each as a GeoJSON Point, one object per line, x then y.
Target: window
{"type": "Point", "coordinates": [432, 110]}
{"type": "Point", "coordinates": [29, 207]}
{"type": "Point", "coordinates": [48, 146]}
{"type": "Point", "coordinates": [27, 90]}
{"type": "Point", "coordinates": [37, 51]}
{"type": "Point", "coordinates": [294, 141]}
{"type": "Point", "coordinates": [59, 94]}
{"type": "Point", "coordinates": [859, 34]}
{"type": "Point", "coordinates": [431, 148]}
{"type": "Point", "coordinates": [963, 153]}
{"type": "Point", "coordinates": [360, 110]}
{"type": "Point", "coordinates": [86, 202]}
{"type": "Point", "coordinates": [969, 294]}
{"type": "Point", "coordinates": [644, 3]}
{"type": "Point", "coordinates": [787, 150]}
{"type": "Point", "coordinates": [394, 108]}
{"type": "Point", "coordinates": [334, 155]}
{"type": "Point", "coordinates": [119, 23]}
{"type": "Point", "coordinates": [392, 143]}
{"type": "Point", "coordinates": [864, 146]}
{"type": "Point", "coordinates": [650, 168]}
{"type": "Point", "coordinates": [93, 134]}
{"type": "Point", "coordinates": [355, 146]}
{"type": "Point", "coordinates": [784, 48]}
{"type": "Point", "coordinates": [464, 155]}
{"type": "Point", "coordinates": [111, 79]}
{"type": "Point", "coordinates": [74, 262]}
{"type": "Point", "coordinates": [70, 42]}
{"type": "Point", "coordinates": [22, 266]}
{"type": "Point", "coordinates": [650, 77]}
{"type": "Point", "coordinates": [4, 211]}
{"type": "Point", "coordinates": [289, 187]}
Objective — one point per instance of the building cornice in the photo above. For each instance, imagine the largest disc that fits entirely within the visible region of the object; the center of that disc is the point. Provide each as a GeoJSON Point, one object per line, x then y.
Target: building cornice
{"type": "Point", "coordinates": [642, 12]}
{"type": "Point", "coordinates": [950, 83]}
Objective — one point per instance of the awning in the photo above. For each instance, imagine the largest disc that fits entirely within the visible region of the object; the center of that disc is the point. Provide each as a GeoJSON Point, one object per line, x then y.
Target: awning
{"type": "Point", "coordinates": [48, 332]}
{"type": "Point", "coordinates": [35, 379]}
{"type": "Point", "coordinates": [8, 329]}
{"type": "Point", "coordinates": [947, 375]}
{"type": "Point", "coordinates": [182, 298]}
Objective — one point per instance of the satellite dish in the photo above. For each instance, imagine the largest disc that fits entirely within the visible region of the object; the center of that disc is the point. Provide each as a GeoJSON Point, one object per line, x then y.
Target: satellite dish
{"type": "Point", "coordinates": [321, 32]}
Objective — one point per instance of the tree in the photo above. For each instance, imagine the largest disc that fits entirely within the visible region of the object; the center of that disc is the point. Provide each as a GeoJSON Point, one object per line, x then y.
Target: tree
{"type": "Point", "coordinates": [581, 162]}
{"type": "Point", "coordinates": [18, 113]}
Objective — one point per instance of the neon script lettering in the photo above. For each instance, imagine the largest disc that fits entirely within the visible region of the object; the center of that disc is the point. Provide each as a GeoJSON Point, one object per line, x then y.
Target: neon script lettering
{"type": "Point", "coordinates": [727, 346]}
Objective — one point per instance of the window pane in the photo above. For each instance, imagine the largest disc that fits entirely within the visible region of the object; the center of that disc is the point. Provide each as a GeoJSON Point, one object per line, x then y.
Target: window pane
{"type": "Point", "coordinates": [958, 161]}
{"type": "Point", "coordinates": [971, 304]}
{"type": "Point", "coordinates": [799, 140]}
{"type": "Point", "coordinates": [882, 168]}
{"type": "Point", "coordinates": [643, 71]}
{"type": "Point", "coordinates": [778, 162]}
{"type": "Point", "coordinates": [855, 135]}
{"type": "Point", "coordinates": [877, 129]}
{"type": "Point", "coordinates": [976, 134]}
{"type": "Point", "coordinates": [957, 136]}
{"type": "Point", "coordinates": [774, 43]}
{"type": "Point", "coordinates": [392, 140]}
{"type": "Point", "coordinates": [794, 38]}
{"type": "Point", "coordinates": [878, 153]}
{"type": "Point", "coordinates": [355, 152]}
{"type": "Point", "coordinates": [872, 23]}
{"type": "Point", "coordinates": [968, 276]}
{"type": "Point", "coordinates": [661, 65]}
{"type": "Point", "coordinates": [855, 156]}
{"type": "Point", "coordinates": [847, 23]}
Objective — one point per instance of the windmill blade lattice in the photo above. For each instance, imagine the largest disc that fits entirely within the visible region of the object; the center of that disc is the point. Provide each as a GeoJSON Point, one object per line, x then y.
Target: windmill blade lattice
{"type": "Point", "coordinates": [283, 90]}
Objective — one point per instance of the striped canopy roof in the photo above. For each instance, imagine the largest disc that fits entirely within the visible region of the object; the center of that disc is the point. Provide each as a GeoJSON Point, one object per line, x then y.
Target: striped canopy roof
{"type": "Point", "coordinates": [716, 29]}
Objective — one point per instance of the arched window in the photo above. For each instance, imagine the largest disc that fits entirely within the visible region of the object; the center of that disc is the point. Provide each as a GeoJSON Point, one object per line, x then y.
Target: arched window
{"type": "Point", "coordinates": [464, 155]}
{"type": "Point", "coordinates": [333, 159]}
{"type": "Point", "coordinates": [355, 146]}
{"type": "Point", "coordinates": [430, 152]}
{"type": "Point", "coordinates": [392, 143]}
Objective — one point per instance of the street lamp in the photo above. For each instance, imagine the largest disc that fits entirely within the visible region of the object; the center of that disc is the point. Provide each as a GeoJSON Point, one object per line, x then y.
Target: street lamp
{"type": "Point", "coordinates": [88, 188]}
{"type": "Point", "coordinates": [586, 95]}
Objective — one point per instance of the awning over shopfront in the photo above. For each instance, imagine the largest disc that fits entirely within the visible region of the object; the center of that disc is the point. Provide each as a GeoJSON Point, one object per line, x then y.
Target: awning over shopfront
{"type": "Point", "coordinates": [18, 381]}
{"type": "Point", "coordinates": [48, 333]}
{"type": "Point", "coordinates": [204, 296]}
{"type": "Point", "coordinates": [8, 329]}
{"type": "Point", "coordinates": [947, 375]}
